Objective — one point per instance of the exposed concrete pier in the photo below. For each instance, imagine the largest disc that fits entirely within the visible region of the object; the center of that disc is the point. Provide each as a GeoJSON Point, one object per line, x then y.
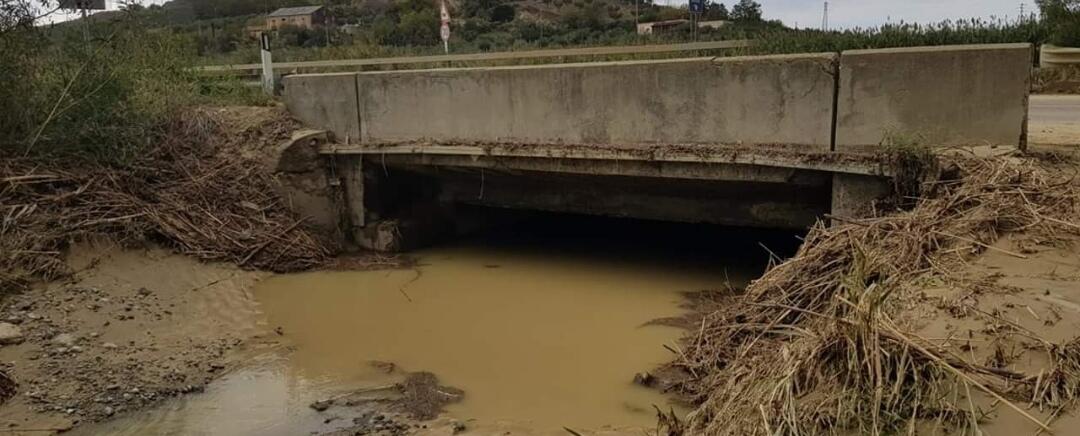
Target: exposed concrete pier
{"type": "Point", "coordinates": [776, 141]}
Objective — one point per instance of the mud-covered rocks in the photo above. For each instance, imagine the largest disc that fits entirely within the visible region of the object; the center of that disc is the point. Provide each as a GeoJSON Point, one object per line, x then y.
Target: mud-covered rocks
{"type": "Point", "coordinates": [64, 339]}
{"type": "Point", "coordinates": [10, 334]}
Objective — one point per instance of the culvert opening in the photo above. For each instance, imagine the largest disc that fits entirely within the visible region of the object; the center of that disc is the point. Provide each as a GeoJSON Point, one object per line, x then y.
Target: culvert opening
{"type": "Point", "coordinates": [422, 206]}
{"type": "Point", "coordinates": [588, 237]}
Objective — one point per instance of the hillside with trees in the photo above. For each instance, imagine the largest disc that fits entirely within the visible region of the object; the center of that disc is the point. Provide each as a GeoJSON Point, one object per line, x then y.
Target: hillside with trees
{"type": "Point", "coordinates": [219, 28]}
{"type": "Point", "coordinates": [222, 31]}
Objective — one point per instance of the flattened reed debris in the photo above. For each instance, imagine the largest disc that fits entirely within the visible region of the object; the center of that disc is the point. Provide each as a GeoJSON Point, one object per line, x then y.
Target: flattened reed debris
{"type": "Point", "coordinates": [825, 341]}
{"type": "Point", "coordinates": [202, 192]}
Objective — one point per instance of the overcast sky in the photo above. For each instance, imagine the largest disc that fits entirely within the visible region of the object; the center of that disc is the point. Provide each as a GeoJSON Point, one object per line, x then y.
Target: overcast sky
{"type": "Point", "coordinates": [854, 13]}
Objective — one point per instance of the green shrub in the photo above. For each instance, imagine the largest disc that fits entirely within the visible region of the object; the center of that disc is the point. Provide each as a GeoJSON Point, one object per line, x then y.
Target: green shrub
{"type": "Point", "coordinates": [1063, 19]}
{"type": "Point", "coordinates": [230, 90]}
{"type": "Point", "coordinates": [973, 31]}
{"type": "Point", "coordinates": [98, 93]}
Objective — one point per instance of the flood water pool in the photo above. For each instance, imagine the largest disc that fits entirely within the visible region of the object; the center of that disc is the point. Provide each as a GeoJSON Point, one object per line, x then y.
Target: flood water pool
{"type": "Point", "coordinates": [539, 336]}
{"type": "Point", "coordinates": [532, 338]}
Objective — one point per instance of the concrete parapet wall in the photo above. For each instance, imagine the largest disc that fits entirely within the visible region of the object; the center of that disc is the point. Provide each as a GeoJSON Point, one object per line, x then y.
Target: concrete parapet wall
{"type": "Point", "coordinates": [952, 95]}
{"type": "Point", "coordinates": [325, 101]}
{"type": "Point", "coordinates": [772, 99]}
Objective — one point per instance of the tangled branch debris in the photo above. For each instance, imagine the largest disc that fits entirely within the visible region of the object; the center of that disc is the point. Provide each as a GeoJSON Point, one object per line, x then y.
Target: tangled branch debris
{"type": "Point", "coordinates": [824, 341]}
{"type": "Point", "coordinates": [202, 192]}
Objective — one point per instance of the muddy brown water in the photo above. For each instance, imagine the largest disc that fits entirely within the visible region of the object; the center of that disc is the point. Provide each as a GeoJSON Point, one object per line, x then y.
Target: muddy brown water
{"type": "Point", "coordinates": [539, 338]}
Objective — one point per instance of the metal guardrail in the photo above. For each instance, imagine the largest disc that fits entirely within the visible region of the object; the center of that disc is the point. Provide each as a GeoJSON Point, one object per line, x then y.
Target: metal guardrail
{"type": "Point", "coordinates": [1054, 56]}
{"type": "Point", "coordinates": [527, 54]}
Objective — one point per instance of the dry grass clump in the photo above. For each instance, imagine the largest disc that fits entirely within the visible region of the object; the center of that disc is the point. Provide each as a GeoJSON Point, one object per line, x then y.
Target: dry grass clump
{"type": "Point", "coordinates": [202, 192]}
{"type": "Point", "coordinates": [820, 343]}
{"type": "Point", "coordinates": [1058, 80]}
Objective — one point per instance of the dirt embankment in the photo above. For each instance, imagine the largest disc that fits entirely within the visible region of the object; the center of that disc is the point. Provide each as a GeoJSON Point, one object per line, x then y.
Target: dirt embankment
{"type": "Point", "coordinates": [955, 315]}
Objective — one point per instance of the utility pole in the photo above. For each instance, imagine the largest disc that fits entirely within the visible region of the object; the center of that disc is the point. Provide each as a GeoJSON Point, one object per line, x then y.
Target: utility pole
{"type": "Point", "coordinates": [825, 17]}
{"type": "Point", "coordinates": [267, 63]}
{"type": "Point", "coordinates": [636, 15]}
{"type": "Point", "coordinates": [86, 27]}
{"type": "Point", "coordinates": [444, 29]}
{"type": "Point", "coordinates": [1022, 16]}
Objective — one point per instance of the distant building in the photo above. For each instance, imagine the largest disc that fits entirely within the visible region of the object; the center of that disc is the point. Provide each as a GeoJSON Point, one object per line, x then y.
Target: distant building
{"type": "Point", "coordinates": [305, 17]}
{"type": "Point", "coordinates": [667, 25]}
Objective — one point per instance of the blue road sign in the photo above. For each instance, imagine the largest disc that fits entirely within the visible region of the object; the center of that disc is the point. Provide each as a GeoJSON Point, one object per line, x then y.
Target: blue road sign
{"type": "Point", "coordinates": [697, 6]}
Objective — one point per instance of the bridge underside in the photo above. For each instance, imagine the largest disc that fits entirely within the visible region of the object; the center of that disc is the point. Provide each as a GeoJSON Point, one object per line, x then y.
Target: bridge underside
{"type": "Point", "coordinates": [402, 196]}
{"type": "Point", "coordinates": [666, 199]}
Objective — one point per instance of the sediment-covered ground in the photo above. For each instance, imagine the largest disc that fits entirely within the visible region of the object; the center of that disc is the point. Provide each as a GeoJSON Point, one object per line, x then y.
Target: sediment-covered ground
{"type": "Point", "coordinates": [130, 328]}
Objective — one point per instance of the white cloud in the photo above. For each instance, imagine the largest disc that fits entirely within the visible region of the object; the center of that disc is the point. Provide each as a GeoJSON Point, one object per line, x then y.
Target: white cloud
{"type": "Point", "coordinates": [852, 13]}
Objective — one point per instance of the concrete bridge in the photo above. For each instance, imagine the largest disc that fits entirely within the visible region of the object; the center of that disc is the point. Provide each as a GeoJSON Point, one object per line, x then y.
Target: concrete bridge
{"type": "Point", "coordinates": [776, 141]}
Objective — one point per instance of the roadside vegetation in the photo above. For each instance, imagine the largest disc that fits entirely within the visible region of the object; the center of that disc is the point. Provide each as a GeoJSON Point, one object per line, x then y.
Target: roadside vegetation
{"type": "Point", "coordinates": [223, 31]}
{"type": "Point", "coordinates": [98, 92]}
{"type": "Point", "coordinates": [972, 31]}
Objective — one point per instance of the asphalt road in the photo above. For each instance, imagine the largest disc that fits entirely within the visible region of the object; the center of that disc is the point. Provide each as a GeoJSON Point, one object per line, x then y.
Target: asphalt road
{"type": "Point", "coordinates": [1054, 119]}
{"type": "Point", "coordinates": [1055, 108]}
